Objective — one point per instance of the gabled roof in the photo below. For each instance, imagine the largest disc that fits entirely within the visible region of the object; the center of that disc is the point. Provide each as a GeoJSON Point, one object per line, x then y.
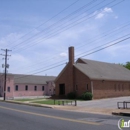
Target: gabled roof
{"type": "Point", "coordinates": [31, 79]}
{"type": "Point", "coordinates": [103, 71]}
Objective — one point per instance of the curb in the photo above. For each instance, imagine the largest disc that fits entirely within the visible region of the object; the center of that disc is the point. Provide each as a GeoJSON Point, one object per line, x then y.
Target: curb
{"type": "Point", "coordinates": [121, 114]}
{"type": "Point", "coordinates": [36, 105]}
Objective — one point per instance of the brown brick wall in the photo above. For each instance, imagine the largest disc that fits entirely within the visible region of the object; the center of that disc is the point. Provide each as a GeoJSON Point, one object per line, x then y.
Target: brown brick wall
{"type": "Point", "coordinates": [108, 89]}
{"type": "Point", "coordinates": [81, 81]}
{"type": "Point", "coordinates": [66, 78]}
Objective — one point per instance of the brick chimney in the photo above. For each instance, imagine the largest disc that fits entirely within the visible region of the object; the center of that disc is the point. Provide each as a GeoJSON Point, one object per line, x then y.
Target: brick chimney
{"type": "Point", "coordinates": [71, 55]}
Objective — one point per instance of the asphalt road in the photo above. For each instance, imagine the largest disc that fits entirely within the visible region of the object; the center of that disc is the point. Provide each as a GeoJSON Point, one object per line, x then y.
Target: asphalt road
{"type": "Point", "coordinates": [22, 117]}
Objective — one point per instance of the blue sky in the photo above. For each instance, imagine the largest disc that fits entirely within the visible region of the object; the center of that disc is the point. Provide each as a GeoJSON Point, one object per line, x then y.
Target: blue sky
{"type": "Point", "coordinates": [39, 32]}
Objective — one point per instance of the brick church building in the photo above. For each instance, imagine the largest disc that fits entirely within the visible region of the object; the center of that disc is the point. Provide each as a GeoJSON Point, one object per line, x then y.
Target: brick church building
{"type": "Point", "coordinates": [102, 79]}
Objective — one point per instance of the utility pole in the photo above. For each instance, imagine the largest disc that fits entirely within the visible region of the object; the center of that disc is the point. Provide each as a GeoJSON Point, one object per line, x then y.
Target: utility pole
{"type": "Point", "coordinates": [5, 66]}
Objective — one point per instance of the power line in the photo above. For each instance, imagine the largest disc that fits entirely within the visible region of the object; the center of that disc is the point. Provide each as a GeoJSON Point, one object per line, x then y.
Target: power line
{"type": "Point", "coordinates": [48, 19]}
{"type": "Point", "coordinates": [41, 71]}
{"type": "Point", "coordinates": [86, 54]}
{"type": "Point", "coordinates": [106, 34]}
{"type": "Point", "coordinates": [106, 47]}
{"type": "Point", "coordinates": [49, 26]}
{"type": "Point", "coordinates": [54, 25]}
{"type": "Point", "coordinates": [74, 24]}
{"type": "Point", "coordinates": [95, 40]}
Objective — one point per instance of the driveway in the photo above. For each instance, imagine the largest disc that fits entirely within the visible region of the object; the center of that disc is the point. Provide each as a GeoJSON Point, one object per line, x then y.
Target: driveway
{"type": "Point", "coordinates": [103, 103]}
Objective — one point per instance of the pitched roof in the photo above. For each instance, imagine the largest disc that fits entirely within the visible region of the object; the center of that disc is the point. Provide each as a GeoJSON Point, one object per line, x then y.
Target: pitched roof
{"type": "Point", "coordinates": [32, 79]}
{"type": "Point", "coordinates": [103, 71]}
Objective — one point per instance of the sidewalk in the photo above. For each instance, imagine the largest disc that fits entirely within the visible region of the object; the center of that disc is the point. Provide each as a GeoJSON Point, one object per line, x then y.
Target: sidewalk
{"type": "Point", "coordinates": [104, 111]}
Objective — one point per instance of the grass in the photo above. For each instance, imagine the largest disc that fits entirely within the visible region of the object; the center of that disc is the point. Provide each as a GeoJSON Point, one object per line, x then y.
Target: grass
{"type": "Point", "coordinates": [27, 99]}
{"type": "Point", "coordinates": [43, 101]}
{"type": "Point", "coordinates": [49, 102]}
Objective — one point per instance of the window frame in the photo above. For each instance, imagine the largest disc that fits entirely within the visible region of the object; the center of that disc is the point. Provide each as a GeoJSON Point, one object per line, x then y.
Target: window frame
{"type": "Point", "coordinates": [16, 87]}
{"type": "Point", "coordinates": [35, 88]}
{"type": "Point", "coordinates": [8, 89]}
{"type": "Point", "coordinates": [26, 87]}
{"type": "Point", "coordinates": [43, 88]}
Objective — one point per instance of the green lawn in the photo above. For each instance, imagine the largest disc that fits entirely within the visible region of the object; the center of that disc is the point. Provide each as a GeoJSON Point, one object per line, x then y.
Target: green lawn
{"type": "Point", "coordinates": [49, 102]}
{"type": "Point", "coordinates": [42, 101]}
{"type": "Point", "coordinates": [27, 99]}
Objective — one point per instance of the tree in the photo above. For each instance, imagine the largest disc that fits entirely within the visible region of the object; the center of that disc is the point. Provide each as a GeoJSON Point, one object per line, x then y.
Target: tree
{"type": "Point", "coordinates": [127, 65]}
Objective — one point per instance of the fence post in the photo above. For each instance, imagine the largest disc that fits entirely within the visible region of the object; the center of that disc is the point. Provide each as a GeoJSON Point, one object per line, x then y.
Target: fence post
{"type": "Point", "coordinates": [54, 101]}
{"type": "Point", "coordinates": [124, 104]}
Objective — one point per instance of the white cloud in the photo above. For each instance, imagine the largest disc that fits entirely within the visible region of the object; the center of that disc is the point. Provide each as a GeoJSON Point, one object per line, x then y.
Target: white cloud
{"type": "Point", "coordinates": [100, 15]}
{"type": "Point", "coordinates": [18, 62]}
{"type": "Point", "coordinates": [103, 12]}
{"type": "Point", "coordinates": [9, 39]}
{"type": "Point", "coordinates": [109, 10]}
{"type": "Point", "coordinates": [63, 54]}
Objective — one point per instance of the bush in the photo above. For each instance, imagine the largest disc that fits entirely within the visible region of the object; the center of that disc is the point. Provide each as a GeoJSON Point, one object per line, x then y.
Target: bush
{"type": "Point", "coordinates": [87, 96]}
{"type": "Point", "coordinates": [71, 95]}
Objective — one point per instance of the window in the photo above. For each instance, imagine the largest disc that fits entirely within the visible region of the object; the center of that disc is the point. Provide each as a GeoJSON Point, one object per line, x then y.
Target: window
{"type": "Point", "coordinates": [76, 87]}
{"type": "Point", "coordinates": [26, 87]}
{"type": "Point", "coordinates": [61, 89]}
{"type": "Point", "coordinates": [42, 88]}
{"type": "Point", "coordinates": [8, 89]}
{"type": "Point", "coordinates": [87, 86]}
{"type": "Point", "coordinates": [35, 88]}
{"type": "Point", "coordinates": [16, 87]}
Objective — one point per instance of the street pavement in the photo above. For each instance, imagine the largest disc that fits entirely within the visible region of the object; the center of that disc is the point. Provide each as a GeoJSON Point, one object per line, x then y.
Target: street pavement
{"type": "Point", "coordinates": [23, 117]}
{"type": "Point", "coordinates": [99, 106]}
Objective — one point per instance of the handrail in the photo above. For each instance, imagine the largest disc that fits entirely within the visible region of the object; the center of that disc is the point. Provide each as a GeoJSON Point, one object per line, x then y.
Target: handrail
{"type": "Point", "coordinates": [124, 103]}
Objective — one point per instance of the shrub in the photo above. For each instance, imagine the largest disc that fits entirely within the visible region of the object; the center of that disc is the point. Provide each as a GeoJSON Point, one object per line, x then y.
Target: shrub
{"type": "Point", "coordinates": [87, 96]}
{"type": "Point", "coordinates": [71, 95]}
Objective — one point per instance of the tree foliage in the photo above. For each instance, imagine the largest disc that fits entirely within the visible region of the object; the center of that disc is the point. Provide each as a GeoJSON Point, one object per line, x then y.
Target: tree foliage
{"type": "Point", "coordinates": [127, 65]}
